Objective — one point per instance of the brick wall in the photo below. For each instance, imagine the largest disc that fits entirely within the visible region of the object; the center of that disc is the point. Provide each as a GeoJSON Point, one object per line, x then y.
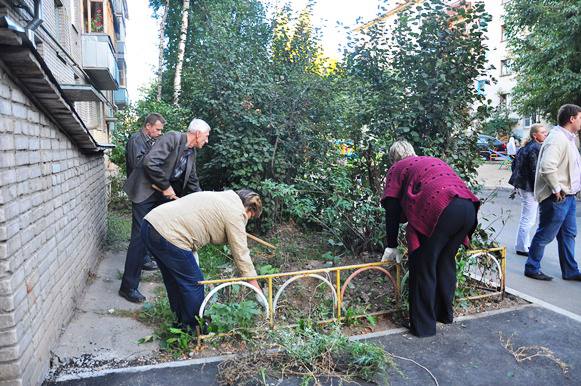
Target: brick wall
{"type": "Point", "coordinates": [52, 227]}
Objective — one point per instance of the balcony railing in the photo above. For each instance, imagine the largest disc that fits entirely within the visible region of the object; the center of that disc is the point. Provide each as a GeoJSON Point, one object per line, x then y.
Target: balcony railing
{"type": "Point", "coordinates": [99, 61]}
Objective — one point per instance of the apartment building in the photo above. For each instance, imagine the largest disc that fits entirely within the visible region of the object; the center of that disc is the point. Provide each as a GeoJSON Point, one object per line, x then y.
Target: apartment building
{"type": "Point", "coordinates": [62, 77]}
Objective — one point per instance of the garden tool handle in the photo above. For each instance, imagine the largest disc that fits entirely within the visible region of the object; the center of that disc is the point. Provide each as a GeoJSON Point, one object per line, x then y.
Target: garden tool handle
{"type": "Point", "coordinates": [260, 241]}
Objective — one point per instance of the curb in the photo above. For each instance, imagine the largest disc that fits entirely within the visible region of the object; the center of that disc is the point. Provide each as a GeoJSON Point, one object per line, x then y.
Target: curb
{"type": "Point", "coordinates": [220, 358]}
{"type": "Point", "coordinates": [544, 304]}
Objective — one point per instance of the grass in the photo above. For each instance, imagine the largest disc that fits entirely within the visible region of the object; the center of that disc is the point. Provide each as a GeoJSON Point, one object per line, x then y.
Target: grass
{"type": "Point", "coordinates": [310, 353]}
{"type": "Point", "coordinates": [118, 230]}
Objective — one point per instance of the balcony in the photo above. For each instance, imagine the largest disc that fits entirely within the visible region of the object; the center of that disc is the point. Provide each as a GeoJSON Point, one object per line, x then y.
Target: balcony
{"type": "Point", "coordinates": [99, 61]}
{"type": "Point", "coordinates": [121, 97]}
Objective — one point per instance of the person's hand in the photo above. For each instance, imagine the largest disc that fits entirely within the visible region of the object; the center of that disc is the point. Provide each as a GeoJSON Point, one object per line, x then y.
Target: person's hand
{"type": "Point", "coordinates": [391, 254]}
{"type": "Point", "coordinates": [169, 193]}
{"type": "Point", "coordinates": [255, 284]}
{"type": "Point", "coordinates": [560, 196]}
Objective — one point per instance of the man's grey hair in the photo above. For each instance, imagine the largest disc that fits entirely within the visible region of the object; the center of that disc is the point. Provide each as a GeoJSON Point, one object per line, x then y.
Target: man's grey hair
{"type": "Point", "coordinates": [400, 150]}
{"type": "Point", "coordinates": [198, 125]}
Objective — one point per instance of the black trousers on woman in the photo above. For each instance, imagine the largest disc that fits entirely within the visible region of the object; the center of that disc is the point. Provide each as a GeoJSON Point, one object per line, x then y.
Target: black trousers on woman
{"type": "Point", "coordinates": [432, 268]}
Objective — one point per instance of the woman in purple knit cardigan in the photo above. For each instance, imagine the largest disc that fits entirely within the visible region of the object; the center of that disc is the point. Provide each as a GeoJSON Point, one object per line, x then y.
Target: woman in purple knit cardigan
{"type": "Point", "coordinates": [440, 212]}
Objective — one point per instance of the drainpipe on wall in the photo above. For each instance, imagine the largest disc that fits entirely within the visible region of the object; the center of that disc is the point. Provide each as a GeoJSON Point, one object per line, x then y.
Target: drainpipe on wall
{"type": "Point", "coordinates": [35, 22]}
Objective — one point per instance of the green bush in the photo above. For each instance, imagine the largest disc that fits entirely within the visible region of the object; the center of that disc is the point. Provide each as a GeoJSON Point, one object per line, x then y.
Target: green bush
{"type": "Point", "coordinates": [229, 317]}
{"type": "Point", "coordinates": [118, 230]}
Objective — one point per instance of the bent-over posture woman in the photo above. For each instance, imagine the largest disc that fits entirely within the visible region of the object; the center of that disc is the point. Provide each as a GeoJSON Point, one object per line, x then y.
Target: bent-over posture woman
{"type": "Point", "coordinates": [440, 212]}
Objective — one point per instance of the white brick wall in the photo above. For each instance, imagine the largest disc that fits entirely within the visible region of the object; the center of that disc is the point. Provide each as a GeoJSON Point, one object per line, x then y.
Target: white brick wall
{"type": "Point", "coordinates": [52, 227]}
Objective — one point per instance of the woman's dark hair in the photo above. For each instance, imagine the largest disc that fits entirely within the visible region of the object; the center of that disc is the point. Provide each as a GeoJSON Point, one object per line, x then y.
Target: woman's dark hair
{"type": "Point", "coordinates": [251, 200]}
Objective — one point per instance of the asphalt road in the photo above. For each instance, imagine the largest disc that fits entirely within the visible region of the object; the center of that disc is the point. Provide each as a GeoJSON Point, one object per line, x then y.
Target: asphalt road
{"type": "Point", "coordinates": [467, 352]}
{"type": "Point", "coordinates": [502, 214]}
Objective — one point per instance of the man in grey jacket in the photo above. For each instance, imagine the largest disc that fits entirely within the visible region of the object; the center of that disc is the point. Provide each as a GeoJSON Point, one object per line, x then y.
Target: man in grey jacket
{"type": "Point", "coordinates": [557, 180]}
{"type": "Point", "coordinates": [167, 172]}
{"type": "Point", "coordinates": [137, 147]}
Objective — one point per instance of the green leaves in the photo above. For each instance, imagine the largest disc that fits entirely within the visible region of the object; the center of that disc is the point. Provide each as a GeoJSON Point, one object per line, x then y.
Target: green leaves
{"type": "Point", "coordinates": [546, 57]}
{"type": "Point", "coordinates": [419, 72]}
{"type": "Point", "coordinates": [232, 316]}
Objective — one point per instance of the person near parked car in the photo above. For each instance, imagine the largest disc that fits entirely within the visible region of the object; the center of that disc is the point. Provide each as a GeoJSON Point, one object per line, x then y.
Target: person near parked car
{"type": "Point", "coordinates": [524, 167]}
{"type": "Point", "coordinates": [440, 212]}
{"type": "Point", "coordinates": [137, 147]}
{"type": "Point", "coordinates": [174, 231]}
{"type": "Point", "coordinates": [557, 180]}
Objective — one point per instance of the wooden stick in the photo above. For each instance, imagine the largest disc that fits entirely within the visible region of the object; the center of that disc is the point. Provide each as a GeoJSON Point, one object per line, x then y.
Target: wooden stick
{"type": "Point", "coordinates": [260, 241]}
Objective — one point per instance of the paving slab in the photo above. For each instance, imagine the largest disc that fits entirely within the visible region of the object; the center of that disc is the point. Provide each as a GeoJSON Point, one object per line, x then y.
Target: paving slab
{"type": "Point", "coordinates": [98, 327]}
{"type": "Point", "coordinates": [467, 352]}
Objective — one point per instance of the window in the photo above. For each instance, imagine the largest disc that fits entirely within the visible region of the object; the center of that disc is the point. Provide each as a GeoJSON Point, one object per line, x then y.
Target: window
{"type": "Point", "coordinates": [502, 33]}
{"type": "Point", "coordinates": [527, 121]}
{"type": "Point", "coordinates": [93, 16]}
{"type": "Point", "coordinates": [505, 67]}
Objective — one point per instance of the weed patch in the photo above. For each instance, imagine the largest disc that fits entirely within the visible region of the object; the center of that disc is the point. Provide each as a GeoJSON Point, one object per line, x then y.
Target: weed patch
{"type": "Point", "coordinates": [310, 354]}
{"type": "Point", "coordinates": [118, 230]}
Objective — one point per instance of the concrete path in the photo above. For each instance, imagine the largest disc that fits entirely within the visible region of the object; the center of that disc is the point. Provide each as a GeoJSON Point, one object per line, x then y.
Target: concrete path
{"type": "Point", "coordinates": [492, 176]}
{"type": "Point", "coordinates": [503, 214]}
{"type": "Point", "coordinates": [101, 328]}
{"type": "Point", "coordinates": [468, 352]}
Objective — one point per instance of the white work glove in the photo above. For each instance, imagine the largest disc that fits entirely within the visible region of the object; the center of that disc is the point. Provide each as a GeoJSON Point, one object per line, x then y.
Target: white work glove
{"type": "Point", "coordinates": [391, 254]}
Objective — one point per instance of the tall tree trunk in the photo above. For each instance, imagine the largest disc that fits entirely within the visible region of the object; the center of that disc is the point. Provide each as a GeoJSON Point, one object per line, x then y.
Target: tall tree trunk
{"type": "Point", "coordinates": [177, 82]}
{"type": "Point", "coordinates": [161, 49]}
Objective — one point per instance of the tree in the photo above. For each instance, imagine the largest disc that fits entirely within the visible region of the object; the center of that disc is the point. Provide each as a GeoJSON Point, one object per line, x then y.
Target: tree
{"type": "Point", "coordinates": [545, 40]}
{"type": "Point", "coordinates": [177, 83]}
{"type": "Point", "coordinates": [415, 80]}
{"type": "Point", "coordinates": [161, 46]}
{"type": "Point", "coordinates": [499, 123]}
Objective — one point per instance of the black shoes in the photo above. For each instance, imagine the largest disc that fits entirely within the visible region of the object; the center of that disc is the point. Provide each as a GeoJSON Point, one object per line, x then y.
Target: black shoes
{"type": "Point", "coordinates": [150, 266]}
{"type": "Point", "coordinates": [540, 276]}
{"type": "Point", "coordinates": [521, 253]}
{"type": "Point", "coordinates": [133, 295]}
{"type": "Point", "coordinates": [574, 278]}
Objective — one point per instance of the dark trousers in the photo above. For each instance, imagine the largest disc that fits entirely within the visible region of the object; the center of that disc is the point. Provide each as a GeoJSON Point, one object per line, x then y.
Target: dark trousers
{"type": "Point", "coordinates": [432, 269]}
{"type": "Point", "coordinates": [180, 274]}
{"type": "Point", "coordinates": [136, 251]}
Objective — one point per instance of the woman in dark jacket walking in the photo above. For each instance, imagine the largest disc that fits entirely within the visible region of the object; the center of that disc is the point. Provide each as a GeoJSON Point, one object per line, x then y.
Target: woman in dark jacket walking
{"type": "Point", "coordinates": [523, 179]}
{"type": "Point", "coordinates": [441, 214]}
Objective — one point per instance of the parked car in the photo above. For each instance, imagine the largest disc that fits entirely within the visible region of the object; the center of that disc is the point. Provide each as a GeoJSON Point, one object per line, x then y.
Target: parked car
{"type": "Point", "coordinates": [486, 143]}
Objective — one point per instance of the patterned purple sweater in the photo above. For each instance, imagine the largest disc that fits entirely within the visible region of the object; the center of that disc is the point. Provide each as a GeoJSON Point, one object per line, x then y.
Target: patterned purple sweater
{"type": "Point", "coordinates": [424, 186]}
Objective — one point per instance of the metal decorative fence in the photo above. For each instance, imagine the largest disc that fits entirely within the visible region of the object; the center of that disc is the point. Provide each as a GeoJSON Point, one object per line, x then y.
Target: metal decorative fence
{"type": "Point", "coordinates": [485, 269]}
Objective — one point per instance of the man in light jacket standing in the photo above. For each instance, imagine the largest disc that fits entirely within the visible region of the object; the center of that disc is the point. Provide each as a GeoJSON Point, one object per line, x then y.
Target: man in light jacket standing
{"type": "Point", "coordinates": [558, 179]}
